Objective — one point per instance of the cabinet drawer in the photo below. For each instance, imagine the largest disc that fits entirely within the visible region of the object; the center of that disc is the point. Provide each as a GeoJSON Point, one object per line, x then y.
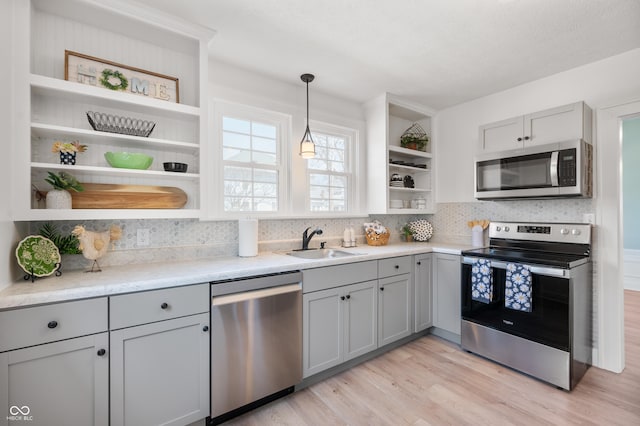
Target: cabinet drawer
{"type": "Point", "coordinates": [42, 324]}
{"type": "Point", "coordinates": [394, 266]}
{"type": "Point", "coordinates": [335, 276]}
{"type": "Point", "coordinates": [157, 305]}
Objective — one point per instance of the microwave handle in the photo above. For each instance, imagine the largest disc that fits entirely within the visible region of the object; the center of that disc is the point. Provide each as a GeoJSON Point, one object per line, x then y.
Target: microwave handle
{"type": "Point", "coordinates": [553, 168]}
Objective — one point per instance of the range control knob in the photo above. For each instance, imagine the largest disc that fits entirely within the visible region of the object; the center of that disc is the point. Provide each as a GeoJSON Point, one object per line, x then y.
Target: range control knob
{"type": "Point", "coordinates": [564, 231]}
{"type": "Point", "coordinates": [506, 229]}
{"type": "Point", "coordinates": [575, 232]}
{"type": "Point", "coordinates": [498, 228]}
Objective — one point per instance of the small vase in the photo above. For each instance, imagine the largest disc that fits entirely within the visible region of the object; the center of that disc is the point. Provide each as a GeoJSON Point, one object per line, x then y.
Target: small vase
{"type": "Point", "coordinates": [58, 199]}
{"type": "Point", "coordinates": [409, 238]}
{"type": "Point", "coordinates": [68, 158]}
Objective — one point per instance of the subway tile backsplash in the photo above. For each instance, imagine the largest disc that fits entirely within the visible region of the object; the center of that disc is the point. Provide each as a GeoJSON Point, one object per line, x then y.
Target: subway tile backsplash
{"type": "Point", "coordinates": [186, 239]}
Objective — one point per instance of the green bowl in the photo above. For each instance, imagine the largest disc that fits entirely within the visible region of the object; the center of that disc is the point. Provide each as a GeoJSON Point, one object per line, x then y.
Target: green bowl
{"type": "Point", "coordinates": [128, 160]}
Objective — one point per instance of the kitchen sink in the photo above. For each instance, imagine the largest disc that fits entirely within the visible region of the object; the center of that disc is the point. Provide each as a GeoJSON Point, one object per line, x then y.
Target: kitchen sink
{"type": "Point", "coordinates": [326, 253]}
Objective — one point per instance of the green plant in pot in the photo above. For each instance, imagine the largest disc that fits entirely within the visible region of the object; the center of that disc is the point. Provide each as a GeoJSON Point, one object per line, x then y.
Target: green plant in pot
{"type": "Point", "coordinates": [417, 142]}
{"type": "Point", "coordinates": [407, 233]}
{"type": "Point", "coordinates": [62, 183]}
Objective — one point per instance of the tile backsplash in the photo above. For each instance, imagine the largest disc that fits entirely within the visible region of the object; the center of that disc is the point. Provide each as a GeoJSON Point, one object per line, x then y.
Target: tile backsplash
{"type": "Point", "coordinates": [186, 239]}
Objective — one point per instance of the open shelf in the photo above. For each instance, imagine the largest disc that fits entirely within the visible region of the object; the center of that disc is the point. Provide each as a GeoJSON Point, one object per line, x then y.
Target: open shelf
{"type": "Point", "coordinates": [115, 171]}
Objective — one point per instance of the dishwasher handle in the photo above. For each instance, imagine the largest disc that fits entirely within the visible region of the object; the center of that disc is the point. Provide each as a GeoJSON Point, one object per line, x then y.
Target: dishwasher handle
{"type": "Point", "coordinates": [256, 294]}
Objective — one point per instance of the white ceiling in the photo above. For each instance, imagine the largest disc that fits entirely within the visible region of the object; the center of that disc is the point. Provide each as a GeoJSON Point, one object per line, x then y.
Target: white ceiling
{"type": "Point", "coordinates": [437, 52]}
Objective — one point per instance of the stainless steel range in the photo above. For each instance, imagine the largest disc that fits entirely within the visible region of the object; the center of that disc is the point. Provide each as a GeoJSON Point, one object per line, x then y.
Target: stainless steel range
{"type": "Point", "coordinates": [526, 299]}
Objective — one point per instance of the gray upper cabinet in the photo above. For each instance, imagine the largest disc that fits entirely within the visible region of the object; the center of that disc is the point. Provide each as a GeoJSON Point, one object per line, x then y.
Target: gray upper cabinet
{"type": "Point", "coordinates": [51, 370]}
{"type": "Point", "coordinates": [422, 280]}
{"type": "Point", "coordinates": [446, 287]}
{"type": "Point", "coordinates": [572, 121]}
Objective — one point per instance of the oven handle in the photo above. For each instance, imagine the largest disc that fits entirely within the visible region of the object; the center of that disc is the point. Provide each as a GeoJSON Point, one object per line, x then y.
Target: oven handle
{"type": "Point", "coordinates": [538, 270]}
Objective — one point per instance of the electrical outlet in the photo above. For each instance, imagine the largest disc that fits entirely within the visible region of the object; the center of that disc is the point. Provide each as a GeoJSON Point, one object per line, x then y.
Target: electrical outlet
{"type": "Point", "coordinates": [589, 218]}
{"type": "Point", "coordinates": [142, 237]}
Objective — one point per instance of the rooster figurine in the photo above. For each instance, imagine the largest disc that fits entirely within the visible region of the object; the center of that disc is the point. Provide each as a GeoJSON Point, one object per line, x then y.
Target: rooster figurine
{"type": "Point", "coordinates": [94, 245]}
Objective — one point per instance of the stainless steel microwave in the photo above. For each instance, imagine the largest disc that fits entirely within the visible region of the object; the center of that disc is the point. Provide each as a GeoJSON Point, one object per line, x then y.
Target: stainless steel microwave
{"type": "Point", "coordinates": [562, 169]}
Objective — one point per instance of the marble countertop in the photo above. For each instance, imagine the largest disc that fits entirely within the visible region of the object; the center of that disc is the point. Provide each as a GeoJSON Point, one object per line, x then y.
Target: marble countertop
{"type": "Point", "coordinates": [113, 280]}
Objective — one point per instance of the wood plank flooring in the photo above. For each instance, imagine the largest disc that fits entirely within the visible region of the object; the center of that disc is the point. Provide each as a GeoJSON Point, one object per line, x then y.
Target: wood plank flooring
{"type": "Point", "coordinates": [433, 382]}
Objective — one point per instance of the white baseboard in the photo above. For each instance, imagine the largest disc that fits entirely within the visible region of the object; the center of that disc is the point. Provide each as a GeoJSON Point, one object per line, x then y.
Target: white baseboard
{"type": "Point", "coordinates": [631, 269]}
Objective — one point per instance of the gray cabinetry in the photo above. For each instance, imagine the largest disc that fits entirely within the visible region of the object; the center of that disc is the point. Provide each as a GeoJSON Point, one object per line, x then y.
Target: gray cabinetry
{"type": "Point", "coordinates": [394, 308]}
{"type": "Point", "coordinates": [572, 121]}
{"type": "Point", "coordinates": [160, 367]}
{"type": "Point", "coordinates": [338, 324]}
{"type": "Point", "coordinates": [446, 288]}
{"type": "Point", "coordinates": [55, 381]}
{"type": "Point", "coordinates": [422, 279]}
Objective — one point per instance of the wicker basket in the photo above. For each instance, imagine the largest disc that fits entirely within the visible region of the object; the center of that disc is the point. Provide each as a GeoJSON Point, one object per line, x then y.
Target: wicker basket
{"type": "Point", "coordinates": [374, 239]}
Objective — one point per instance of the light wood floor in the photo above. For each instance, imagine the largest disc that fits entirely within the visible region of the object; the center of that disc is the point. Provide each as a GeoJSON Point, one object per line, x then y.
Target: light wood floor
{"type": "Point", "coordinates": [432, 382]}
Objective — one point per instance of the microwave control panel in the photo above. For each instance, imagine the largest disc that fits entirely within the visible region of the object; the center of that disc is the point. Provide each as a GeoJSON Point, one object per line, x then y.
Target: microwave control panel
{"type": "Point", "coordinates": [567, 167]}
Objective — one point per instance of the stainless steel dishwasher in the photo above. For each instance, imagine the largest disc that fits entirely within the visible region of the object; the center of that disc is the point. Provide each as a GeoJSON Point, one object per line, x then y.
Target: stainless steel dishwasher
{"type": "Point", "coordinates": [256, 342]}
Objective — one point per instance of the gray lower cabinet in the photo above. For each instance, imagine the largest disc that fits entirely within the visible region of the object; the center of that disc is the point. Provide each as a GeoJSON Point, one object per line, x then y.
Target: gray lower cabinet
{"type": "Point", "coordinates": [60, 383]}
{"type": "Point", "coordinates": [160, 356]}
{"type": "Point", "coordinates": [446, 289]}
{"type": "Point", "coordinates": [422, 279]}
{"type": "Point", "coordinates": [338, 324]}
{"type": "Point", "coordinates": [395, 301]}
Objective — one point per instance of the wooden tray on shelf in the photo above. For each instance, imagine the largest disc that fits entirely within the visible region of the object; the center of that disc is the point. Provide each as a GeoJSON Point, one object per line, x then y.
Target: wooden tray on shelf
{"type": "Point", "coordinates": [111, 196]}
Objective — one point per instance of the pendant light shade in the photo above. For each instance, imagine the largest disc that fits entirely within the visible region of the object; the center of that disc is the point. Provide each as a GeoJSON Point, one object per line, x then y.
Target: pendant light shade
{"type": "Point", "coordinates": [307, 147]}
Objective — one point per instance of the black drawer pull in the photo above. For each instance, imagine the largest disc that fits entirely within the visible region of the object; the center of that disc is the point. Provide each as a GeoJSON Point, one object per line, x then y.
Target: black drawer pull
{"type": "Point", "coordinates": [348, 296]}
{"type": "Point", "coordinates": [341, 297]}
{"type": "Point", "coordinates": [397, 266]}
{"type": "Point", "coordinates": [419, 263]}
{"type": "Point", "coordinates": [52, 324]}
{"type": "Point", "coordinates": [101, 352]}
{"type": "Point", "coordinates": [164, 305]}
{"type": "Point", "coordinates": [205, 328]}
{"type": "Point", "coordinates": [381, 288]}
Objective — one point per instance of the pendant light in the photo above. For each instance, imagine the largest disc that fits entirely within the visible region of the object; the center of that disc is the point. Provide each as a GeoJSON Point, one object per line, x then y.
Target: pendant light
{"type": "Point", "coordinates": [307, 147]}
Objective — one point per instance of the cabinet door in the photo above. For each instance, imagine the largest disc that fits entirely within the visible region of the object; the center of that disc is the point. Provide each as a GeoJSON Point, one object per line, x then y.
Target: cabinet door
{"type": "Point", "coordinates": [361, 319]}
{"type": "Point", "coordinates": [322, 322]}
{"type": "Point", "coordinates": [160, 372]}
{"type": "Point", "coordinates": [555, 125]}
{"type": "Point", "coordinates": [394, 309]}
{"type": "Point", "coordinates": [502, 135]}
{"type": "Point", "coordinates": [446, 276]}
{"type": "Point", "coordinates": [422, 287]}
{"type": "Point", "coordinates": [61, 383]}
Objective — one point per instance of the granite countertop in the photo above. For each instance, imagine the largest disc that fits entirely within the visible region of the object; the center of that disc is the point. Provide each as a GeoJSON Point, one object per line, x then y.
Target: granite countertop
{"type": "Point", "coordinates": [113, 280]}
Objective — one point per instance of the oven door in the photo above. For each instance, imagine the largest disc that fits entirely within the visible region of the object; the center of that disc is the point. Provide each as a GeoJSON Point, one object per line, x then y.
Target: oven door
{"type": "Point", "coordinates": [548, 321]}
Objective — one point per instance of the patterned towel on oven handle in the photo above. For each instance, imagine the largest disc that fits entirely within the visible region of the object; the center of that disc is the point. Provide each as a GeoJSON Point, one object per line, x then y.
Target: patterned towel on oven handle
{"type": "Point", "coordinates": [481, 281]}
{"type": "Point", "coordinates": [517, 292]}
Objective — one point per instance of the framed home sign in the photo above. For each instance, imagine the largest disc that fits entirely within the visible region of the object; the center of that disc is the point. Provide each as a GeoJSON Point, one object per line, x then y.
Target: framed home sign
{"type": "Point", "coordinates": [98, 72]}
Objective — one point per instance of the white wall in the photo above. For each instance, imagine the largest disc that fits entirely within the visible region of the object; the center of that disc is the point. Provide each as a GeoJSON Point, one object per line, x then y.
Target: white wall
{"type": "Point", "coordinates": [8, 231]}
{"type": "Point", "coordinates": [599, 84]}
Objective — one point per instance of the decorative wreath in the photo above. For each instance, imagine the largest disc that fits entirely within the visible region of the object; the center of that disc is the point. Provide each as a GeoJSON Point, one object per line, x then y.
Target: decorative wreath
{"type": "Point", "coordinates": [107, 73]}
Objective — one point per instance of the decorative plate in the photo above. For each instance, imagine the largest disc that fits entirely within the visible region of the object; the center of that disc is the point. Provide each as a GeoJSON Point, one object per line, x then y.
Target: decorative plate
{"type": "Point", "coordinates": [422, 230]}
{"type": "Point", "coordinates": [38, 255]}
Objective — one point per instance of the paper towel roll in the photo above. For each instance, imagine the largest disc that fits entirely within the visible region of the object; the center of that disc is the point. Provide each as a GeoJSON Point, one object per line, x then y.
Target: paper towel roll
{"type": "Point", "coordinates": [247, 237]}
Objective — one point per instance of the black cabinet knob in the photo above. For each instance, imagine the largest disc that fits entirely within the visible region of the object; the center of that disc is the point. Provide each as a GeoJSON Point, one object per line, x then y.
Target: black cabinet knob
{"type": "Point", "coordinates": [341, 297]}
{"type": "Point", "coordinates": [397, 266]}
{"type": "Point", "coordinates": [519, 139]}
{"type": "Point", "coordinates": [52, 324]}
{"type": "Point", "coordinates": [526, 138]}
{"type": "Point", "coordinates": [101, 352]}
{"type": "Point", "coordinates": [205, 328]}
{"type": "Point", "coordinates": [381, 288]}
{"type": "Point", "coordinates": [348, 296]}
{"type": "Point", "coordinates": [419, 263]}
{"type": "Point", "coordinates": [164, 305]}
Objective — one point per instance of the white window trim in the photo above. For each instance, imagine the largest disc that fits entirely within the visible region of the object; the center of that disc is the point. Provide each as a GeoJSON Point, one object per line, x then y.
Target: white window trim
{"type": "Point", "coordinates": [355, 183]}
{"type": "Point", "coordinates": [283, 125]}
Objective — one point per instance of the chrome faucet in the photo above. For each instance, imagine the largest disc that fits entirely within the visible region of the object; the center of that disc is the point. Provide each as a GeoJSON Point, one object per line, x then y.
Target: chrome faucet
{"type": "Point", "coordinates": [306, 239]}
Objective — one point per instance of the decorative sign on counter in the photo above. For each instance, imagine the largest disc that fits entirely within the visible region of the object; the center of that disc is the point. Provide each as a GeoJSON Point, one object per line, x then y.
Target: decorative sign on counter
{"type": "Point", "coordinates": [98, 72]}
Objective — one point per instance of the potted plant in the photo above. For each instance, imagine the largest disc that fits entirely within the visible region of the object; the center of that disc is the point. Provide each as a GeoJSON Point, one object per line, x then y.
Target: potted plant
{"type": "Point", "coordinates": [407, 233]}
{"type": "Point", "coordinates": [59, 197]}
{"type": "Point", "coordinates": [68, 151]}
{"type": "Point", "coordinates": [417, 142]}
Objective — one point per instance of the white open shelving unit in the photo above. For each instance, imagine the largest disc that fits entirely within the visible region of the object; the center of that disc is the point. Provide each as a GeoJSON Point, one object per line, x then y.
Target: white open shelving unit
{"type": "Point", "coordinates": [388, 117]}
{"type": "Point", "coordinates": [49, 108]}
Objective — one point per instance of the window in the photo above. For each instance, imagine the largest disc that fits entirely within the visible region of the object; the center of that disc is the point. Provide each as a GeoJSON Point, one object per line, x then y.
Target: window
{"type": "Point", "coordinates": [252, 174]}
{"type": "Point", "coordinates": [330, 172]}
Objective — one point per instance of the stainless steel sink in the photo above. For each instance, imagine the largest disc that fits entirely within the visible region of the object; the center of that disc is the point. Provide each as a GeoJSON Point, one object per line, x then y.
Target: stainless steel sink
{"type": "Point", "coordinates": [326, 253]}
